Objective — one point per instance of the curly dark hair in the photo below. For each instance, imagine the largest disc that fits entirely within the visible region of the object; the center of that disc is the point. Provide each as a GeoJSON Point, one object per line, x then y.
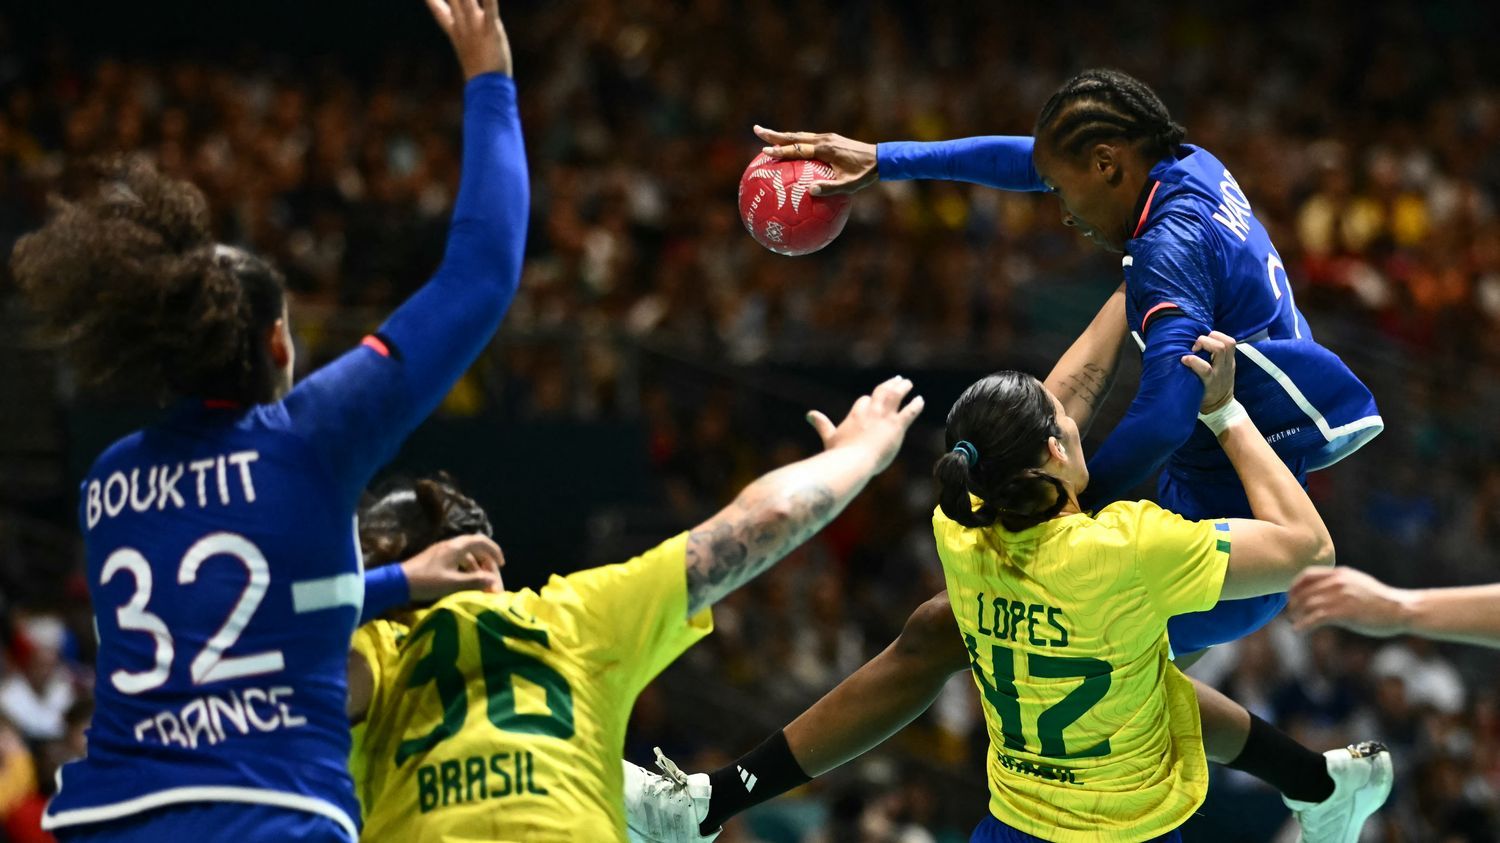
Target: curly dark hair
{"type": "Point", "coordinates": [131, 283]}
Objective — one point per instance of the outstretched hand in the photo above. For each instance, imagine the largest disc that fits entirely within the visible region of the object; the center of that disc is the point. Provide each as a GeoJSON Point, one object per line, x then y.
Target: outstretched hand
{"type": "Point", "coordinates": [854, 161]}
{"type": "Point", "coordinates": [1347, 598]}
{"type": "Point", "coordinates": [877, 421]}
{"type": "Point", "coordinates": [477, 34]}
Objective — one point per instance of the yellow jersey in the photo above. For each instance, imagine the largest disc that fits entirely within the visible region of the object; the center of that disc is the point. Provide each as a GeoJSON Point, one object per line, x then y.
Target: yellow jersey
{"type": "Point", "coordinates": [501, 717]}
{"type": "Point", "coordinates": [1094, 733]}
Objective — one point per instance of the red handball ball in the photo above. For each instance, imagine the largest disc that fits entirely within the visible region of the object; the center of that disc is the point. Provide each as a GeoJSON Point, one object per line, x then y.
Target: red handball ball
{"type": "Point", "coordinates": [781, 214]}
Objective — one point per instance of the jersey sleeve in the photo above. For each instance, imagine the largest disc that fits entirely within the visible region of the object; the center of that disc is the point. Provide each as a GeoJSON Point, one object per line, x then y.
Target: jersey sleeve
{"type": "Point", "coordinates": [1171, 282]}
{"type": "Point", "coordinates": [999, 161]}
{"type": "Point", "coordinates": [1180, 562]}
{"type": "Point", "coordinates": [635, 612]}
{"type": "Point", "coordinates": [1173, 272]}
{"type": "Point", "coordinates": [358, 409]}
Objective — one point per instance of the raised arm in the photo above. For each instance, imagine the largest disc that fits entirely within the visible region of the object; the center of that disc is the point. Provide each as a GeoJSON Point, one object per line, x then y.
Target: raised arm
{"type": "Point", "coordinates": [1084, 374]}
{"type": "Point", "coordinates": [1287, 535]}
{"type": "Point", "coordinates": [783, 509]}
{"type": "Point", "coordinates": [1000, 161]}
{"type": "Point", "coordinates": [1355, 600]}
{"type": "Point", "coordinates": [356, 411]}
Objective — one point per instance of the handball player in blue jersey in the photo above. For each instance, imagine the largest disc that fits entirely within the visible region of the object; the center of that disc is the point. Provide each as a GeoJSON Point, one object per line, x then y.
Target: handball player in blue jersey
{"type": "Point", "coordinates": [1195, 260]}
{"type": "Point", "coordinates": [220, 541]}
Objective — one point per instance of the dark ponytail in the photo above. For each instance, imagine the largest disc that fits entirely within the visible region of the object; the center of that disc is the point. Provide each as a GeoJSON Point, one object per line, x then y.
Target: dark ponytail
{"type": "Point", "coordinates": [1100, 105]}
{"type": "Point", "coordinates": [131, 283]}
{"type": "Point", "coordinates": [404, 517]}
{"type": "Point", "coordinates": [1005, 420]}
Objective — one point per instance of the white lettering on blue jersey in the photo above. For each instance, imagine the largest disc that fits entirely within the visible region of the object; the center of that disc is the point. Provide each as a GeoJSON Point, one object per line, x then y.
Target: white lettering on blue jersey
{"type": "Point", "coordinates": [108, 498]}
{"type": "Point", "coordinates": [205, 719]}
{"type": "Point", "coordinates": [1234, 211]}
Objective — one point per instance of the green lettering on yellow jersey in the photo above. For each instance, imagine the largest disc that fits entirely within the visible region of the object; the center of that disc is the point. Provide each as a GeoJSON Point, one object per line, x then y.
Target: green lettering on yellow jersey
{"type": "Point", "coordinates": [1094, 734]}
{"type": "Point", "coordinates": [518, 701]}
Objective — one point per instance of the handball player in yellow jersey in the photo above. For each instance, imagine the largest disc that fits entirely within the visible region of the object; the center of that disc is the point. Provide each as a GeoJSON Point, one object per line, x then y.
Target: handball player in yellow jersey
{"type": "Point", "coordinates": [501, 716]}
{"type": "Point", "coordinates": [1095, 735]}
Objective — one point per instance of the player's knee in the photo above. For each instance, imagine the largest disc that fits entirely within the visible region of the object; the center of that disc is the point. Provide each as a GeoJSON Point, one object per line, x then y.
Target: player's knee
{"type": "Point", "coordinates": [931, 634]}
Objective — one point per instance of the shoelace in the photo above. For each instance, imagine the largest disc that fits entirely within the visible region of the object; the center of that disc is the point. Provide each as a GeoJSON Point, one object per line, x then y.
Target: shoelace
{"type": "Point", "coordinates": [670, 769]}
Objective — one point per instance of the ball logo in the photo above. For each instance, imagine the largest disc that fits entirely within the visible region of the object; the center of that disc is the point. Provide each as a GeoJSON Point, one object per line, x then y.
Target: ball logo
{"type": "Point", "coordinates": [798, 222]}
{"type": "Point", "coordinates": [775, 177]}
{"type": "Point", "coordinates": [810, 170]}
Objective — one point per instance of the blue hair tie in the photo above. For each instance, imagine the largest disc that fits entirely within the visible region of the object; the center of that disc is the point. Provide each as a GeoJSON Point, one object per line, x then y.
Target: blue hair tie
{"type": "Point", "coordinates": [967, 448]}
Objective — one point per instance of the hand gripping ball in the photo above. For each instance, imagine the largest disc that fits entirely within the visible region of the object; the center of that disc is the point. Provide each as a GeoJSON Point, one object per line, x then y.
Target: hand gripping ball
{"type": "Point", "coordinates": [779, 211]}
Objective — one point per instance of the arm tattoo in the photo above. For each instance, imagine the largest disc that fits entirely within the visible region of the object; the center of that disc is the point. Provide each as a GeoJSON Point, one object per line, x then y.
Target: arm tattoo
{"type": "Point", "coordinates": [1091, 384]}
{"type": "Point", "coordinates": [752, 535]}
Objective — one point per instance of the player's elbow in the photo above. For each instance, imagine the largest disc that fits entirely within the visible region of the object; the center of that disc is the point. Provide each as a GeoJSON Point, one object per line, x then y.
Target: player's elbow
{"type": "Point", "coordinates": [1322, 550]}
{"type": "Point", "coordinates": [1311, 547]}
{"type": "Point", "coordinates": [931, 637]}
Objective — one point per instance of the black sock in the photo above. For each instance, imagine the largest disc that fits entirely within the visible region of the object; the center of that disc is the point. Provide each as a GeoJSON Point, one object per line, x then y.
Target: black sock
{"type": "Point", "coordinates": [763, 773]}
{"type": "Point", "coordinates": [1273, 757]}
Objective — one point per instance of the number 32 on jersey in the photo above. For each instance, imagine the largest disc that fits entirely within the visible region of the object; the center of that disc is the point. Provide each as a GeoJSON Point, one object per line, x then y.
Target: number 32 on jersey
{"type": "Point", "coordinates": [210, 664]}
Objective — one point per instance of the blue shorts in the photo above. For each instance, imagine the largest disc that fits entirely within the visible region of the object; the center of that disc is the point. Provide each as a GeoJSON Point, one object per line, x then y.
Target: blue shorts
{"type": "Point", "coordinates": [991, 830]}
{"type": "Point", "coordinates": [193, 821]}
{"type": "Point", "coordinates": [1199, 496]}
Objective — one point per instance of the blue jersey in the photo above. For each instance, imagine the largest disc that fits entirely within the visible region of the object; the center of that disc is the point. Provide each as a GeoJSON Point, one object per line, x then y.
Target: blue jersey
{"type": "Point", "coordinates": [1199, 258]}
{"type": "Point", "coordinates": [1198, 261]}
{"type": "Point", "coordinates": [221, 554]}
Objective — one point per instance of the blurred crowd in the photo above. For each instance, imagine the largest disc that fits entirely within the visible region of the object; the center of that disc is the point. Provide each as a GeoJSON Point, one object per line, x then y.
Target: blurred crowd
{"type": "Point", "coordinates": [1366, 136]}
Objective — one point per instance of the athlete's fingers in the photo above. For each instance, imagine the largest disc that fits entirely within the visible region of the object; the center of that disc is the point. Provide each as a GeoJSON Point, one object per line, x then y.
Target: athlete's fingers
{"type": "Point", "coordinates": [1212, 344]}
{"type": "Point", "coordinates": [486, 552]}
{"type": "Point", "coordinates": [491, 11]}
{"type": "Point", "coordinates": [1200, 367]}
{"type": "Point", "coordinates": [478, 581]}
{"type": "Point", "coordinates": [910, 412]}
{"type": "Point", "coordinates": [1308, 582]}
{"type": "Point", "coordinates": [821, 424]}
{"type": "Point", "coordinates": [442, 14]}
{"type": "Point", "coordinates": [861, 406]}
{"type": "Point", "coordinates": [795, 151]}
{"type": "Point", "coordinates": [1311, 618]}
{"type": "Point", "coordinates": [888, 395]}
{"type": "Point", "coordinates": [772, 137]}
{"type": "Point", "coordinates": [1222, 337]}
{"type": "Point", "coordinates": [835, 187]}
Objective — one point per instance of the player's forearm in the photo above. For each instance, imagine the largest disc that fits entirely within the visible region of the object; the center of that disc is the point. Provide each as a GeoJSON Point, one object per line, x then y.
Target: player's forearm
{"type": "Point", "coordinates": [1275, 495]}
{"type": "Point", "coordinates": [1084, 374]}
{"type": "Point", "coordinates": [773, 515]}
{"type": "Point", "coordinates": [441, 329]}
{"type": "Point", "coordinates": [866, 709]}
{"type": "Point", "coordinates": [1000, 161]}
{"type": "Point", "coordinates": [1162, 416]}
{"type": "Point", "coordinates": [1465, 615]}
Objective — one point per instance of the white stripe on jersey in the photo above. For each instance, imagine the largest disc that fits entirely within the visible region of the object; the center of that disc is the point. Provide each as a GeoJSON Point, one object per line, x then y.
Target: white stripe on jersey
{"type": "Point", "coordinates": [208, 793]}
{"type": "Point", "coordinates": [328, 593]}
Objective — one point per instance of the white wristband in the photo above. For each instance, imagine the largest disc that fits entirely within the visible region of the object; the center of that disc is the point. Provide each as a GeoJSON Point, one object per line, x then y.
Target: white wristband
{"type": "Point", "coordinates": [1219, 420]}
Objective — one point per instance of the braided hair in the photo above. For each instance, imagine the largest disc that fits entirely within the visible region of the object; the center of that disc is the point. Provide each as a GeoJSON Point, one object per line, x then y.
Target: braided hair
{"type": "Point", "coordinates": [1100, 105]}
{"type": "Point", "coordinates": [998, 430]}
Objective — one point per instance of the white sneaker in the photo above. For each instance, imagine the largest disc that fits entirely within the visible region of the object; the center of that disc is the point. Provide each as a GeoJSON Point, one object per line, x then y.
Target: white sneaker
{"type": "Point", "coordinates": [1362, 777]}
{"type": "Point", "coordinates": [665, 808]}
